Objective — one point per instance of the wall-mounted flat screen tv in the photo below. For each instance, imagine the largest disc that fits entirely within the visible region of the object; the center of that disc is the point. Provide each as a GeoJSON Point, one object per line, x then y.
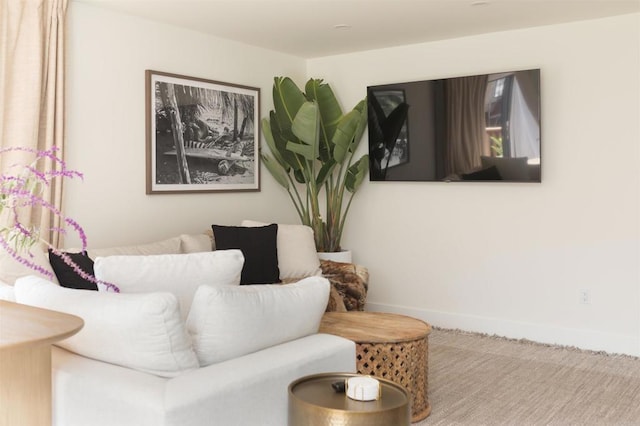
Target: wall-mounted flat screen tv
{"type": "Point", "coordinates": [474, 128]}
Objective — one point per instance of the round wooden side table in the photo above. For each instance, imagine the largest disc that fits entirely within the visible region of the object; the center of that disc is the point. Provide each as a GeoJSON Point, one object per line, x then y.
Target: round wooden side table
{"type": "Point", "coordinates": [26, 335]}
{"type": "Point", "coordinates": [388, 346]}
{"type": "Point", "coordinates": [313, 402]}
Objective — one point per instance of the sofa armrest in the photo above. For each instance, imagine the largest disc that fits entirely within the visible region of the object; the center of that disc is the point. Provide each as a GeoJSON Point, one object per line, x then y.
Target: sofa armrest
{"type": "Point", "coordinates": [253, 389]}
{"type": "Point", "coordinates": [249, 390]}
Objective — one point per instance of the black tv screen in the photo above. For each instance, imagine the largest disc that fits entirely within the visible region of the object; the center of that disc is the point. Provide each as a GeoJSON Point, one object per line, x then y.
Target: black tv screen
{"type": "Point", "coordinates": [473, 128]}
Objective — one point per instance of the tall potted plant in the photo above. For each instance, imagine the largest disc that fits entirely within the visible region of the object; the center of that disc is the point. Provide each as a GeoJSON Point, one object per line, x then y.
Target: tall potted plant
{"type": "Point", "coordinates": [312, 144]}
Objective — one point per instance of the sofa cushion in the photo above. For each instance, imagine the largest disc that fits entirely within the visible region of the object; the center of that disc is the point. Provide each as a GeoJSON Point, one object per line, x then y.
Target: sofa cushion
{"type": "Point", "coordinates": [297, 255]}
{"type": "Point", "coordinates": [139, 331]}
{"type": "Point", "coordinates": [227, 322]}
{"type": "Point", "coordinates": [259, 248]}
{"type": "Point", "coordinates": [195, 243]}
{"type": "Point", "coordinates": [180, 274]}
{"type": "Point", "coordinates": [11, 269]}
{"type": "Point", "coordinates": [67, 276]}
{"type": "Point", "coordinates": [168, 246]}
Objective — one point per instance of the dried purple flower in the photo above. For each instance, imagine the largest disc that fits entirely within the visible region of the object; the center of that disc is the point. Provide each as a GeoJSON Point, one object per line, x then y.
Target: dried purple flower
{"type": "Point", "coordinates": [24, 190]}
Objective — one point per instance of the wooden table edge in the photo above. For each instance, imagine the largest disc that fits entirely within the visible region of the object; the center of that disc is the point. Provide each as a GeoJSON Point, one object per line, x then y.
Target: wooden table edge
{"type": "Point", "coordinates": [74, 324]}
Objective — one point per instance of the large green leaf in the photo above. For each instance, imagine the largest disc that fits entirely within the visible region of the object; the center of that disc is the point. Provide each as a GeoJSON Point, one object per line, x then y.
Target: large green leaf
{"type": "Point", "coordinates": [299, 176]}
{"type": "Point", "coordinates": [330, 113]}
{"type": "Point", "coordinates": [343, 137]}
{"type": "Point", "coordinates": [306, 127]}
{"type": "Point", "coordinates": [324, 173]}
{"type": "Point", "coordinates": [271, 143]}
{"type": "Point", "coordinates": [287, 100]}
{"type": "Point", "coordinates": [276, 170]}
{"type": "Point", "coordinates": [362, 124]}
{"type": "Point", "coordinates": [280, 143]}
{"type": "Point", "coordinates": [356, 174]}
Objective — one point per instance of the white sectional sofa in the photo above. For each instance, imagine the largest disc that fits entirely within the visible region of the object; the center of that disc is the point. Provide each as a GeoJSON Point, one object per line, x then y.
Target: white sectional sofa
{"type": "Point", "coordinates": [248, 390]}
{"type": "Point", "coordinates": [262, 338]}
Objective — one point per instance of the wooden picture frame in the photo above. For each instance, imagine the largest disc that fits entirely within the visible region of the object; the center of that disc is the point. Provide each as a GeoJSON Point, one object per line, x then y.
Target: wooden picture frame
{"type": "Point", "coordinates": [202, 135]}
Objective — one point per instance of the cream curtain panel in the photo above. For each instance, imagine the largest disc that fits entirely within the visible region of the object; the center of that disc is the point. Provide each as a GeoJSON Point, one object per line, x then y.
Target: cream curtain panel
{"type": "Point", "coordinates": [32, 91]}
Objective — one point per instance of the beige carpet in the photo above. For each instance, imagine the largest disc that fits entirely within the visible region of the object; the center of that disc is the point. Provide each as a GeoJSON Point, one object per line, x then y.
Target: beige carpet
{"type": "Point", "coordinates": [482, 380]}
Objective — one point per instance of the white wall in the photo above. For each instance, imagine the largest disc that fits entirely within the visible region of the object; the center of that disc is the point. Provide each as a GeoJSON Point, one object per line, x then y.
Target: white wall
{"type": "Point", "coordinates": [511, 258]}
{"type": "Point", "coordinates": [499, 258]}
{"type": "Point", "coordinates": [108, 54]}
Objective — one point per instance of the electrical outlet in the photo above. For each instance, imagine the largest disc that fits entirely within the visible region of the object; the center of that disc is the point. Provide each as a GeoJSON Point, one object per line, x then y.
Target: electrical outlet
{"type": "Point", "coordinates": [585, 297]}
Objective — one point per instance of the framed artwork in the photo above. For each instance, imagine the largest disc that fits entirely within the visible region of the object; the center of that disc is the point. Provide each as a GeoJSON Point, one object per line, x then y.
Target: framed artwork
{"type": "Point", "coordinates": [202, 135]}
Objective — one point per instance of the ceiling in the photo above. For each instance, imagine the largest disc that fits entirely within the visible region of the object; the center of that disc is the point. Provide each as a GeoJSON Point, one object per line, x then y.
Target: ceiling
{"type": "Point", "coordinates": [316, 28]}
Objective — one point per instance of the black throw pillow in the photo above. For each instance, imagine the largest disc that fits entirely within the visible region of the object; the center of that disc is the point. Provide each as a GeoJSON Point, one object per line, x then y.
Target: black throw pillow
{"type": "Point", "coordinates": [67, 276]}
{"type": "Point", "coordinates": [258, 245]}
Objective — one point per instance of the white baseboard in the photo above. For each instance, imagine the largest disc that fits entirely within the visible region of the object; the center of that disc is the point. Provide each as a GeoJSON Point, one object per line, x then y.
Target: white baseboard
{"type": "Point", "coordinates": [580, 338]}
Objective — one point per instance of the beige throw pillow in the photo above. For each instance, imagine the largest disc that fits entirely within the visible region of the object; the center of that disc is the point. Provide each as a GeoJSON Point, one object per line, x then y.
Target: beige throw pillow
{"type": "Point", "coordinates": [168, 246]}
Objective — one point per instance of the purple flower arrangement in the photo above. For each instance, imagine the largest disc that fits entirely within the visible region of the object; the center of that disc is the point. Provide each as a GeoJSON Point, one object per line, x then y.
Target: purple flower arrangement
{"type": "Point", "coordinates": [23, 190]}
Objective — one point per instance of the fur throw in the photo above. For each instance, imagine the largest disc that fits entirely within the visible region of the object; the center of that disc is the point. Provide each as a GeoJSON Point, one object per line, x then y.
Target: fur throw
{"type": "Point", "coordinates": [349, 285]}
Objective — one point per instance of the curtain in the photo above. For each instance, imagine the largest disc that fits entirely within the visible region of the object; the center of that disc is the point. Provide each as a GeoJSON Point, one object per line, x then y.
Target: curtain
{"type": "Point", "coordinates": [32, 93]}
{"type": "Point", "coordinates": [465, 124]}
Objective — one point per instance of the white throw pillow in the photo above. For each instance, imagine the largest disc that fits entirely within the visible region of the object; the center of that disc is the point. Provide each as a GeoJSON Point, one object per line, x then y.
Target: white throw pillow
{"type": "Point", "coordinates": [297, 255]}
{"type": "Point", "coordinates": [180, 274]}
{"type": "Point", "coordinates": [227, 322]}
{"type": "Point", "coordinates": [138, 331]}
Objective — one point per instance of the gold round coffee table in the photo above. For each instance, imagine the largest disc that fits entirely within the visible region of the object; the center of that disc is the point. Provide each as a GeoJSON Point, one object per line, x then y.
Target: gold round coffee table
{"type": "Point", "coordinates": [313, 402]}
{"type": "Point", "coordinates": [388, 346]}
